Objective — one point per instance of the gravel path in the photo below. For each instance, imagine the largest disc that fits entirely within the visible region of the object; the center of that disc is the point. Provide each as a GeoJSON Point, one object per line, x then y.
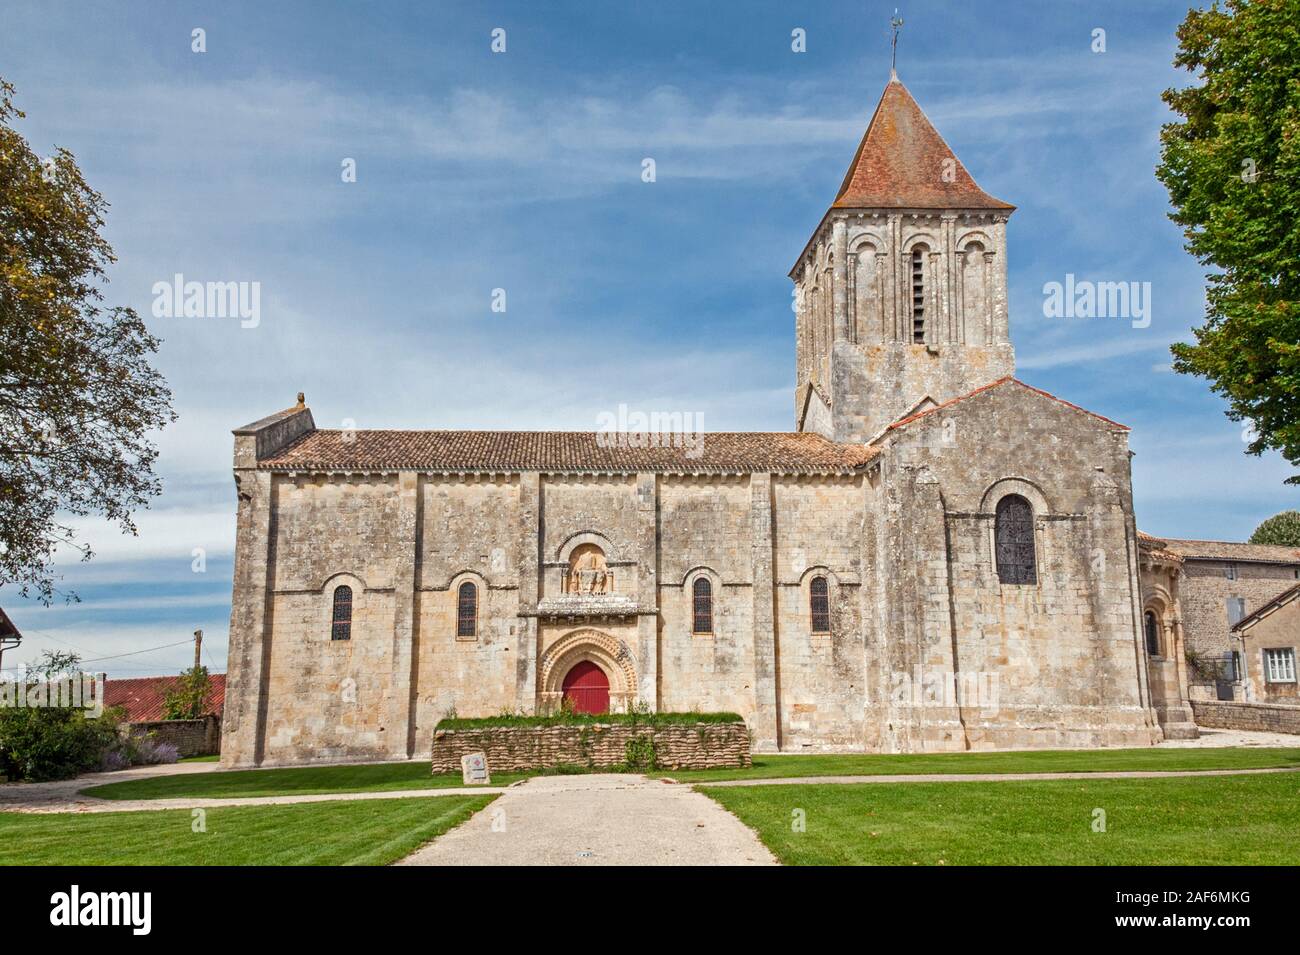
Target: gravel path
{"type": "Point", "coordinates": [605, 819]}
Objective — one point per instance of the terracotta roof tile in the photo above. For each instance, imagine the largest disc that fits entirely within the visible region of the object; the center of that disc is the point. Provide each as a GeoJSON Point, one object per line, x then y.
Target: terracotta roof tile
{"type": "Point", "coordinates": [719, 451]}
{"type": "Point", "coordinates": [143, 698]}
{"type": "Point", "coordinates": [1155, 547]}
{"type": "Point", "coordinates": [900, 163]}
{"type": "Point", "coordinates": [1232, 550]}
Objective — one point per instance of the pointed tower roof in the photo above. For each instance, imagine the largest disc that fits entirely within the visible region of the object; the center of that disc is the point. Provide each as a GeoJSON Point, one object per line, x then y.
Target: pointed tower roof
{"type": "Point", "coordinates": [900, 163]}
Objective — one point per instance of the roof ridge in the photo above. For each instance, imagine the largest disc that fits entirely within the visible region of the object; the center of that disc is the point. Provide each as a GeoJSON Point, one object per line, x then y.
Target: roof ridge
{"type": "Point", "coordinates": [1005, 379]}
{"type": "Point", "coordinates": [1259, 612]}
{"type": "Point", "coordinates": [572, 451]}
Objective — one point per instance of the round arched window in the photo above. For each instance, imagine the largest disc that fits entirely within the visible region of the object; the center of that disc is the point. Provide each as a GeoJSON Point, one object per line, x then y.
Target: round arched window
{"type": "Point", "coordinates": [1151, 626]}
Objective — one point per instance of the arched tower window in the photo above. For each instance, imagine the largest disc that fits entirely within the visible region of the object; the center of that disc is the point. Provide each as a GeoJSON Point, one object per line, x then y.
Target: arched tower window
{"type": "Point", "coordinates": [819, 599]}
{"type": "Point", "coordinates": [341, 619]}
{"type": "Point", "coordinates": [702, 605]}
{"type": "Point", "coordinates": [467, 610]}
{"type": "Point", "coordinates": [918, 295]}
{"type": "Point", "coordinates": [1013, 541]}
{"type": "Point", "coordinates": [974, 275]}
{"type": "Point", "coordinates": [1151, 627]}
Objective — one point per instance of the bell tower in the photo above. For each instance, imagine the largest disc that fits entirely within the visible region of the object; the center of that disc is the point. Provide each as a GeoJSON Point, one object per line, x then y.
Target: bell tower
{"type": "Point", "coordinates": [901, 293]}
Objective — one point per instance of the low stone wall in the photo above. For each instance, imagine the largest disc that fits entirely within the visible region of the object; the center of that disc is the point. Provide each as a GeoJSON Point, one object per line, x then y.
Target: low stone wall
{"type": "Point", "coordinates": [1267, 717]}
{"type": "Point", "coordinates": [200, 737]}
{"type": "Point", "coordinates": [597, 745]}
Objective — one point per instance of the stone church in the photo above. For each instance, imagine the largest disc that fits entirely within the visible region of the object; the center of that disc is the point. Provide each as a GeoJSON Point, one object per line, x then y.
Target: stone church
{"type": "Point", "coordinates": [937, 557]}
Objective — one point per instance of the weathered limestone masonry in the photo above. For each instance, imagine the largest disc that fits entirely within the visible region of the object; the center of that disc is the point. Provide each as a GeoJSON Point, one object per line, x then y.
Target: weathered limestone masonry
{"type": "Point", "coordinates": [514, 748]}
{"type": "Point", "coordinates": [1217, 574]}
{"type": "Point", "coordinates": [939, 557]}
{"type": "Point", "coordinates": [1160, 575]}
{"type": "Point", "coordinates": [902, 289]}
{"type": "Point", "coordinates": [1263, 717]}
{"type": "Point", "coordinates": [1202, 597]}
{"type": "Point", "coordinates": [201, 737]}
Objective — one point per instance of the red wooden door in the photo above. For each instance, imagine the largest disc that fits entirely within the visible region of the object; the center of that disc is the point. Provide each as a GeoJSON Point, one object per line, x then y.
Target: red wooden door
{"type": "Point", "coordinates": [587, 688]}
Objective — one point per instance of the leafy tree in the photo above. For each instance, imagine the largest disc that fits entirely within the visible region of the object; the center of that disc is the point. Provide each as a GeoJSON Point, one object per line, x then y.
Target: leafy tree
{"type": "Point", "coordinates": [1232, 168]}
{"type": "Point", "coordinates": [78, 397]}
{"type": "Point", "coordinates": [44, 742]}
{"type": "Point", "coordinates": [185, 701]}
{"type": "Point", "coordinates": [1282, 530]}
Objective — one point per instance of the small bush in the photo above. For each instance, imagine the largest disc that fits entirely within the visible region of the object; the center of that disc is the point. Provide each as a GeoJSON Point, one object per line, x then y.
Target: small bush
{"type": "Point", "coordinates": [44, 743]}
{"type": "Point", "coordinates": [639, 753]}
{"type": "Point", "coordinates": [150, 752]}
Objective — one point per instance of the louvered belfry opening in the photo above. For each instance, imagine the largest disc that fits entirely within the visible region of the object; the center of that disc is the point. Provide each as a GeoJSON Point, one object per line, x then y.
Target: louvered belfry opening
{"type": "Point", "coordinates": [918, 297]}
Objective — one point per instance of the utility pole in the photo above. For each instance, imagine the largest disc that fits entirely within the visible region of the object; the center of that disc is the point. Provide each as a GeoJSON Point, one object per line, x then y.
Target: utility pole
{"type": "Point", "coordinates": [198, 647]}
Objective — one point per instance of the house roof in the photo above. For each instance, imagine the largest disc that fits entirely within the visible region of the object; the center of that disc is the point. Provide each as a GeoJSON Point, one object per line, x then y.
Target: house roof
{"type": "Point", "coordinates": [1007, 380]}
{"type": "Point", "coordinates": [1286, 596]}
{"type": "Point", "coordinates": [570, 451]}
{"type": "Point", "coordinates": [903, 162]}
{"type": "Point", "coordinates": [7, 628]}
{"type": "Point", "coordinates": [143, 698]}
{"type": "Point", "coordinates": [1233, 551]}
{"type": "Point", "coordinates": [1156, 548]}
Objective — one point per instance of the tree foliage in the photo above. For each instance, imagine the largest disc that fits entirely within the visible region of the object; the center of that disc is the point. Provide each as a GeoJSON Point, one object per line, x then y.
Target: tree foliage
{"type": "Point", "coordinates": [1232, 168]}
{"type": "Point", "coordinates": [185, 700]}
{"type": "Point", "coordinates": [78, 397]}
{"type": "Point", "coordinates": [45, 741]}
{"type": "Point", "coordinates": [1281, 530]}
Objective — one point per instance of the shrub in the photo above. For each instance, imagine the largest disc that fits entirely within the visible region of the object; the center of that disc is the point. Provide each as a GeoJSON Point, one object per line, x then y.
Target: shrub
{"type": "Point", "coordinates": [43, 743]}
{"type": "Point", "coordinates": [639, 753]}
{"type": "Point", "coordinates": [150, 752]}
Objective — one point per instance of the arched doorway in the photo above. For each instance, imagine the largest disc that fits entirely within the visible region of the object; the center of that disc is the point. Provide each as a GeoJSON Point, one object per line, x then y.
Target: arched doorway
{"type": "Point", "coordinates": [586, 687]}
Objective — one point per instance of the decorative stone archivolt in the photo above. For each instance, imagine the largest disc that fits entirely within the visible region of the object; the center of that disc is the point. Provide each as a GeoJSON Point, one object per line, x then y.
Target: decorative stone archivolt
{"type": "Point", "coordinates": [1000, 488]}
{"type": "Point", "coordinates": [352, 580]}
{"type": "Point", "coordinates": [607, 652]}
{"type": "Point", "coordinates": [919, 240]}
{"type": "Point", "coordinates": [701, 571]}
{"type": "Point", "coordinates": [473, 576]}
{"type": "Point", "coordinates": [571, 543]}
{"type": "Point", "coordinates": [977, 236]}
{"type": "Point", "coordinates": [867, 242]}
{"type": "Point", "coordinates": [805, 585]}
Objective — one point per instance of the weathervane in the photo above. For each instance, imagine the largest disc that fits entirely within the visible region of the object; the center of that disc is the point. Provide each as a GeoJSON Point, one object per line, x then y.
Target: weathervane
{"type": "Point", "coordinates": [896, 23]}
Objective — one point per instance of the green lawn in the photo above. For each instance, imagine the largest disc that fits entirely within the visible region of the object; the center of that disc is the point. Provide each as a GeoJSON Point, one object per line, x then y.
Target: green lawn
{"type": "Point", "coordinates": [298, 780]}
{"type": "Point", "coordinates": [1222, 820]}
{"type": "Point", "coordinates": [1032, 761]}
{"type": "Point", "coordinates": [363, 832]}
{"type": "Point", "coordinates": [388, 777]}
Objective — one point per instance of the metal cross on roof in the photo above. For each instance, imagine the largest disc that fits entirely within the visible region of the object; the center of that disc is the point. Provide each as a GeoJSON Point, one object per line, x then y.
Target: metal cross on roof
{"type": "Point", "coordinates": [896, 24]}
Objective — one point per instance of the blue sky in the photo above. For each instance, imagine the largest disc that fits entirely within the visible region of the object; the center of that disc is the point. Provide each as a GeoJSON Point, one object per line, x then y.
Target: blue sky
{"type": "Point", "coordinates": [522, 171]}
